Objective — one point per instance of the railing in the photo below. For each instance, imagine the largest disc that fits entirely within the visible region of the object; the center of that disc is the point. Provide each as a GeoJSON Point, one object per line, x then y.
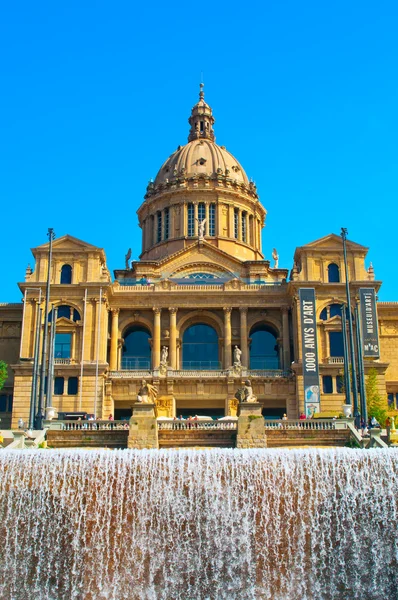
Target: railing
{"type": "Point", "coordinates": [181, 373]}
{"type": "Point", "coordinates": [269, 373]}
{"type": "Point", "coordinates": [125, 374]}
{"type": "Point", "coordinates": [185, 424]}
{"type": "Point", "coordinates": [135, 363]}
{"type": "Point", "coordinates": [62, 361]}
{"type": "Point", "coordinates": [335, 360]}
{"type": "Point", "coordinates": [97, 425]}
{"type": "Point", "coordinates": [308, 424]}
{"type": "Point", "coordinates": [198, 287]}
{"type": "Point", "coordinates": [196, 373]}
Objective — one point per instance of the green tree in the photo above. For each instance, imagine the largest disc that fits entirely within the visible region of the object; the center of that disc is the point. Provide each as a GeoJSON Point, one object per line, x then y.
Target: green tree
{"type": "Point", "coordinates": [377, 406]}
{"type": "Point", "coordinates": [3, 373]}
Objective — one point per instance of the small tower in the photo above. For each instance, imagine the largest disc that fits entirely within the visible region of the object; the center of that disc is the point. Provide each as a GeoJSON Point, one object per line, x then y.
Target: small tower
{"type": "Point", "coordinates": [201, 120]}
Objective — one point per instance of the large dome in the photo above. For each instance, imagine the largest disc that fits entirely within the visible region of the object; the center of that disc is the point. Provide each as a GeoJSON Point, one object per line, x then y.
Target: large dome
{"type": "Point", "coordinates": [201, 157]}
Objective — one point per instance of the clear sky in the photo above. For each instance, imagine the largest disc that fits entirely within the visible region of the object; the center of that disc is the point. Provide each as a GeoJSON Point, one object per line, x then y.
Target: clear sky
{"type": "Point", "coordinates": [94, 96]}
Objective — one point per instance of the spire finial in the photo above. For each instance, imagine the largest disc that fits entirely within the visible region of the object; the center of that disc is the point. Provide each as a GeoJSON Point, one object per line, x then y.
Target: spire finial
{"type": "Point", "coordinates": [201, 93]}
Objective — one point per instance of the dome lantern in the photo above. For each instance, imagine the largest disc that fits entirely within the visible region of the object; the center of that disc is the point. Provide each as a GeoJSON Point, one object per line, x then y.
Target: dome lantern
{"type": "Point", "coordinates": [201, 120]}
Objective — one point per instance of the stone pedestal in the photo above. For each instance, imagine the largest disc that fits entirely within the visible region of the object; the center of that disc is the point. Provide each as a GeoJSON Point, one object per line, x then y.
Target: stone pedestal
{"type": "Point", "coordinates": [251, 431]}
{"type": "Point", "coordinates": [143, 431]}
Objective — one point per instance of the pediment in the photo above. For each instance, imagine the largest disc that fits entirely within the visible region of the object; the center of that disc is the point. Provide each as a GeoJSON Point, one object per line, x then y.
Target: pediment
{"type": "Point", "coordinates": [203, 256]}
{"type": "Point", "coordinates": [336, 320]}
{"type": "Point", "coordinates": [68, 243]}
{"type": "Point", "coordinates": [331, 242]}
{"type": "Point", "coordinates": [63, 321]}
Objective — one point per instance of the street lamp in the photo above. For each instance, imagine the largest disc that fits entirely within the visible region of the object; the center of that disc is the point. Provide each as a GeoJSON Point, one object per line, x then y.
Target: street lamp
{"type": "Point", "coordinates": [350, 329]}
{"type": "Point", "coordinates": [40, 415]}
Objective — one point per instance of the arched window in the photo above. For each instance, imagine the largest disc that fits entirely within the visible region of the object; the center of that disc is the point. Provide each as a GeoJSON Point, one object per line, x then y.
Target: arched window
{"type": "Point", "coordinates": [263, 348]}
{"type": "Point", "coordinates": [191, 220]}
{"type": "Point", "coordinates": [166, 223]}
{"type": "Point", "coordinates": [200, 348]}
{"type": "Point", "coordinates": [159, 227]}
{"type": "Point", "coordinates": [136, 349]}
{"type": "Point", "coordinates": [244, 227]}
{"type": "Point", "coordinates": [66, 274]}
{"type": "Point", "coordinates": [68, 312]}
{"type": "Point", "coordinates": [236, 223]}
{"type": "Point", "coordinates": [212, 219]}
{"type": "Point", "coordinates": [202, 214]}
{"type": "Point", "coordinates": [333, 273]}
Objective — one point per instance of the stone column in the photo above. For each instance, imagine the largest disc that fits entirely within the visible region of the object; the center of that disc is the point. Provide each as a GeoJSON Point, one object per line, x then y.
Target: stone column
{"type": "Point", "coordinates": [327, 343]}
{"type": "Point", "coordinates": [183, 222]}
{"type": "Point", "coordinates": [243, 336]}
{"type": "Point", "coordinates": [227, 337]}
{"type": "Point", "coordinates": [195, 214]}
{"type": "Point", "coordinates": [156, 338]}
{"type": "Point", "coordinates": [173, 337]}
{"type": "Point", "coordinates": [286, 339]}
{"type": "Point", "coordinates": [114, 339]}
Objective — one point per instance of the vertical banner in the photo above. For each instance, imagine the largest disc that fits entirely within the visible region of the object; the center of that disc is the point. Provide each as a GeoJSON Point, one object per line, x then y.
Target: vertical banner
{"type": "Point", "coordinates": [312, 399]}
{"type": "Point", "coordinates": [369, 324]}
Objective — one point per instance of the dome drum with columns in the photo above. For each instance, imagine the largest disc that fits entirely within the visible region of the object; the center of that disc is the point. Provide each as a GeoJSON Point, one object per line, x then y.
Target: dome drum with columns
{"type": "Point", "coordinates": [201, 181]}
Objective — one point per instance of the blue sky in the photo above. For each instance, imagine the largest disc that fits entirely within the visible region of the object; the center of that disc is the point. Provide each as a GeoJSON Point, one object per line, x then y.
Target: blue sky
{"type": "Point", "coordinates": [94, 96]}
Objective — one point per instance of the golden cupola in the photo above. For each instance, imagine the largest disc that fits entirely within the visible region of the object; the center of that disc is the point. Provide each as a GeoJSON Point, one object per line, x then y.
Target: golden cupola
{"type": "Point", "coordinates": [201, 192]}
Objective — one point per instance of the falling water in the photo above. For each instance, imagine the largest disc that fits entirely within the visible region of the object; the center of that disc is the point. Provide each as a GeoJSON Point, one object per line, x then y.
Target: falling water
{"type": "Point", "coordinates": [199, 525]}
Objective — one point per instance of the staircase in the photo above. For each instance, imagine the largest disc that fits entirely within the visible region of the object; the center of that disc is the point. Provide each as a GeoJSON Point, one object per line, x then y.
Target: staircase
{"type": "Point", "coordinates": [293, 438]}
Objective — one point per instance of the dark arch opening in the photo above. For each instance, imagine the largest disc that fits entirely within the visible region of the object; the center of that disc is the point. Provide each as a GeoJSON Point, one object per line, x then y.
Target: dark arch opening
{"type": "Point", "coordinates": [200, 348]}
{"type": "Point", "coordinates": [264, 348]}
{"type": "Point", "coordinates": [333, 273]}
{"type": "Point", "coordinates": [136, 352]}
{"type": "Point", "coordinates": [66, 274]}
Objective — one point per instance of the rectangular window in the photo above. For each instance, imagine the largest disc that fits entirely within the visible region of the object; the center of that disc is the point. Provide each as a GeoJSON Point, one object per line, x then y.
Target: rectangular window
{"type": "Point", "coordinates": [58, 386]}
{"type": "Point", "coordinates": [72, 386]}
{"type": "Point", "coordinates": [327, 383]}
{"type": "Point", "coordinates": [244, 227]}
{"type": "Point", "coordinates": [3, 403]}
{"type": "Point", "coordinates": [390, 400]}
{"type": "Point", "coordinates": [63, 343]}
{"type": "Point", "coordinates": [236, 223]}
{"type": "Point", "coordinates": [191, 220]}
{"type": "Point", "coordinates": [166, 223]}
{"type": "Point", "coordinates": [340, 384]}
{"type": "Point", "coordinates": [336, 343]}
{"type": "Point", "coordinates": [212, 219]}
{"type": "Point", "coordinates": [159, 228]}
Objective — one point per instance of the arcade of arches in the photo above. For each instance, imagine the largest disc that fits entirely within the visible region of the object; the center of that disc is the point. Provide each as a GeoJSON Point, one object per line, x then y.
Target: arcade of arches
{"type": "Point", "coordinates": [203, 308]}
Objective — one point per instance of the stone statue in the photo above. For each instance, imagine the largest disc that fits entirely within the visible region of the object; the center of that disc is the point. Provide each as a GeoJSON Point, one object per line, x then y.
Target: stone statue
{"type": "Point", "coordinates": [237, 356]}
{"type": "Point", "coordinates": [275, 256]}
{"type": "Point", "coordinates": [245, 394]}
{"type": "Point", "coordinates": [127, 258]}
{"type": "Point", "coordinates": [201, 228]}
{"type": "Point", "coordinates": [164, 356]}
{"type": "Point", "coordinates": [147, 393]}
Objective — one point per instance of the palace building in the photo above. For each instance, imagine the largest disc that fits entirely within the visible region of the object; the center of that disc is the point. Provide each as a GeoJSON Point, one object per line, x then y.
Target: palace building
{"type": "Point", "coordinates": [199, 313]}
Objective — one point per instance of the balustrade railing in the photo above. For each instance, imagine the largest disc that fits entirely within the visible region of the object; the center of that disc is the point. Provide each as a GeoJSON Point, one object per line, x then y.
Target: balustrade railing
{"type": "Point", "coordinates": [309, 424]}
{"type": "Point", "coordinates": [186, 424]}
{"type": "Point", "coordinates": [97, 425]}
{"type": "Point", "coordinates": [335, 360]}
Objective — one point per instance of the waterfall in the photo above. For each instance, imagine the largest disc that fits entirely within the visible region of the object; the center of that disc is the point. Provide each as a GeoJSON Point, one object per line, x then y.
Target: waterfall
{"type": "Point", "coordinates": [199, 525]}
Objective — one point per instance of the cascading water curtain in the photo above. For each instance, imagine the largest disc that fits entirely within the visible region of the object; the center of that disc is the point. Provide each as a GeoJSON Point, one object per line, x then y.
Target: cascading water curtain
{"type": "Point", "coordinates": [198, 525]}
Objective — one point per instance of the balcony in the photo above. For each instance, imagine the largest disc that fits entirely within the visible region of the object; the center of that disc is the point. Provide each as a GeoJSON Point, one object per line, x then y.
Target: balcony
{"type": "Point", "coordinates": [335, 360]}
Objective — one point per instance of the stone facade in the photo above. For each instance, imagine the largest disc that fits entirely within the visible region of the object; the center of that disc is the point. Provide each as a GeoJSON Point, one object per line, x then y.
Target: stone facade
{"type": "Point", "coordinates": [201, 263]}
